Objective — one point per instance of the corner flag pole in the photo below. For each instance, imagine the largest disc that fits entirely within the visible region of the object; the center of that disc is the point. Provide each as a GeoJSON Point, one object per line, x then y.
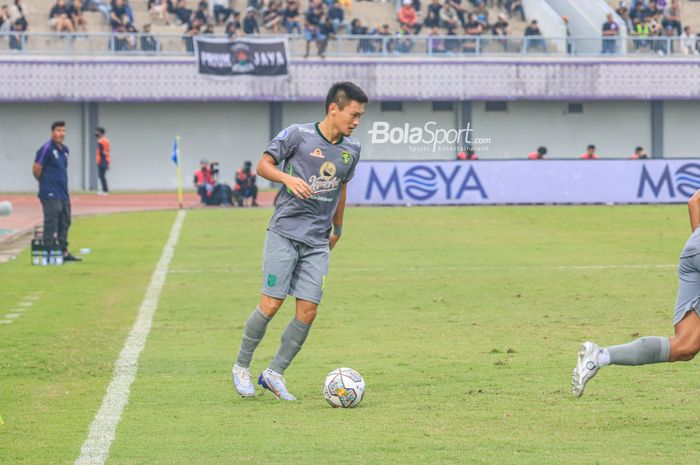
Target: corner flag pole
{"type": "Point", "coordinates": [179, 173]}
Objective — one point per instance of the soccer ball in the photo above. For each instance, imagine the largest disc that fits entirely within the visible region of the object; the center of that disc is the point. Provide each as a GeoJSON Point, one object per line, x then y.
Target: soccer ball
{"type": "Point", "coordinates": [344, 388]}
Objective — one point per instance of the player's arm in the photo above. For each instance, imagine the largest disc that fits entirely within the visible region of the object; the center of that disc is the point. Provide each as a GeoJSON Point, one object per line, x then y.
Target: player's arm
{"type": "Point", "coordinates": [37, 169]}
{"type": "Point", "coordinates": [267, 168]}
{"type": "Point", "coordinates": [694, 210]}
{"type": "Point", "coordinates": [338, 217]}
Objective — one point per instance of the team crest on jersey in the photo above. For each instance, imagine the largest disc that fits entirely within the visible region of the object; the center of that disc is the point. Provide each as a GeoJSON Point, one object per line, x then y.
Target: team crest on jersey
{"type": "Point", "coordinates": [328, 170]}
{"type": "Point", "coordinates": [283, 134]}
{"type": "Point", "coordinates": [317, 153]}
{"type": "Point", "coordinates": [347, 158]}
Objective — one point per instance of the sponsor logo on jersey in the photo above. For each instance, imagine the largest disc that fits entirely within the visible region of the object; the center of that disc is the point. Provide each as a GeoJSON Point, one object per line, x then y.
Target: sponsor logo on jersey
{"type": "Point", "coordinates": [317, 153]}
{"type": "Point", "coordinates": [326, 180]}
{"type": "Point", "coordinates": [283, 134]}
{"type": "Point", "coordinates": [346, 157]}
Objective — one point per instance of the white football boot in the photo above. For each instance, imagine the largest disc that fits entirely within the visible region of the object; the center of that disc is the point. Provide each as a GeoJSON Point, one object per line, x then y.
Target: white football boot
{"type": "Point", "coordinates": [242, 382]}
{"type": "Point", "coordinates": [275, 383]}
{"type": "Point", "coordinates": [586, 368]}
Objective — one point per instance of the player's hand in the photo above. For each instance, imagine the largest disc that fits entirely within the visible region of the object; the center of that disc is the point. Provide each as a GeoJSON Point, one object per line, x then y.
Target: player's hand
{"type": "Point", "coordinates": [333, 240]}
{"type": "Point", "coordinates": [298, 187]}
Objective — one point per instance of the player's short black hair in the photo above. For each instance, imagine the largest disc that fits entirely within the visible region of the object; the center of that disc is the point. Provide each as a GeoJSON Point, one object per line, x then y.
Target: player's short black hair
{"type": "Point", "coordinates": [341, 93]}
{"type": "Point", "coordinates": [638, 148]}
{"type": "Point", "coordinates": [591, 146]}
{"type": "Point", "coordinates": [101, 131]}
{"type": "Point", "coordinates": [58, 124]}
{"type": "Point", "coordinates": [542, 150]}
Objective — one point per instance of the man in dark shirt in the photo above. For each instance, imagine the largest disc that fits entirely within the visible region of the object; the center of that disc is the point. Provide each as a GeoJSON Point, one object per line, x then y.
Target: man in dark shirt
{"type": "Point", "coordinates": [533, 37]}
{"type": "Point", "coordinates": [610, 32]}
{"type": "Point", "coordinates": [250, 24]}
{"type": "Point", "coordinates": [183, 14]}
{"type": "Point", "coordinates": [290, 17]}
{"type": "Point", "coordinates": [51, 170]}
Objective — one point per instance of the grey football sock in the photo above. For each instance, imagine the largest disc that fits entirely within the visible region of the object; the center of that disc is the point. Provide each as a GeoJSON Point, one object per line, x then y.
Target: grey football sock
{"type": "Point", "coordinates": [252, 335]}
{"type": "Point", "coordinates": [649, 349]}
{"type": "Point", "coordinates": [292, 340]}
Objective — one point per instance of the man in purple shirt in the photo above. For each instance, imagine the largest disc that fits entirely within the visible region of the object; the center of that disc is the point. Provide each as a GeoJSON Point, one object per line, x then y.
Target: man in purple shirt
{"type": "Point", "coordinates": [51, 170]}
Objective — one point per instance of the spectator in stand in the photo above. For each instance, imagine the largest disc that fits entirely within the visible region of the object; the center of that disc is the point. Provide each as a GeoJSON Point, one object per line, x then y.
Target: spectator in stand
{"type": "Point", "coordinates": [468, 155]}
{"type": "Point", "coordinates": [272, 18]}
{"type": "Point", "coordinates": [449, 20]}
{"type": "Point", "coordinates": [291, 17]}
{"type": "Point", "coordinates": [537, 154]}
{"type": "Point", "coordinates": [432, 17]}
{"type": "Point", "coordinates": [639, 154]}
{"type": "Point", "coordinates": [337, 15]}
{"type": "Point", "coordinates": [533, 37]}
{"type": "Point", "coordinates": [363, 45]}
{"type": "Point", "coordinates": [129, 12]}
{"type": "Point", "coordinates": [222, 11]}
{"type": "Point", "coordinates": [118, 15]}
{"type": "Point", "coordinates": [407, 15]}
{"type": "Point", "coordinates": [472, 28]}
{"type": "Point", "coordinates": [501, 29]}
{"type": "Point", "coordinates": [245, 187]}
{"type": "Point", "coordinates": [673, 17]}
{"type": "Point", "coordinates": [250, 24]}
{"type": "Point", "coordinates": [456, 6]}
{"type": "Point", "coordinates": [75, 12]}
{"type": "Point", "coordinates": [642, 32]}
{"type": "Point", "coordinates": [327, 29]}
{"type": "Point", "coordinates": [590, 153]}
{"type": "Point", "coordinates": [312, 33]}
{"type": "Point", "coordinates": [610, 32]}
{"type": "Point", "coordinates": [688, 42]}
{"type": "Point", "coordinates": [18, 38]}
{"type": "Point", "coordinates": [4, 18]}
{"type": "Point", "coordinates": [182, 13]}
{"type": "Point", "coordinates": [234, 28]}
{"type": "Point", "coordinates": [482, 15]}
{"type": "Point", "coordinates": [666, 46]}
{"type": "Point", "coordinates": [569, 40]}
{"type": "Point", "coordinates": [148, 41]}
{"type": "Point", "coordinates": [59, 18]}
{"type": "Point", "coordinates": [347, 5]}
{"type": "Point", "coordinates": [102, 6]}
{"type": "Point", "coordinates": [627, 20]}
{"type": "Point", "coordinates": [158, 9]}
{"type": "Point", "coordinates": [404, 43]}
{"type": "Point", "coordinates": [202, 13]}
{"type": "Point", "coordinates": [194, 29]}
{"type": "Point", "coordinates": [515, 6]}
{"type": "Point", "coordinates": [434, 43]}
{"type": "Point", "coordinates": [385, 43]}
{"type": "Point", "coordinates": [18, 16]}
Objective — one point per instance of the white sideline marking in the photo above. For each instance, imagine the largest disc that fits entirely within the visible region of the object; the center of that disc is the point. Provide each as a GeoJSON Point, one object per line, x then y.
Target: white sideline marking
{"type": "Point", "coordinates": [12, 316]}
{"type": "Point", "coordinates": [453, 268]}
{"type": "Point", "coordinates": [102, 430]}
{"type": "Point", "coordinates": [25, 304]}
{"type": "Point", "coordinates": [6, 322]}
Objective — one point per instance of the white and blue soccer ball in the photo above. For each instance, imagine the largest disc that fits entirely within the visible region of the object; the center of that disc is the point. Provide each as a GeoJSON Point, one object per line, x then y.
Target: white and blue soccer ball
{"type": "Point", "coordinates": [344, 388]}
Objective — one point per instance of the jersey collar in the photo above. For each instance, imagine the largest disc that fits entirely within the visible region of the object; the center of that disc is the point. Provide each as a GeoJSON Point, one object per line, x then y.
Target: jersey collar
{"type": "Point", "coordinates": [318, 131]}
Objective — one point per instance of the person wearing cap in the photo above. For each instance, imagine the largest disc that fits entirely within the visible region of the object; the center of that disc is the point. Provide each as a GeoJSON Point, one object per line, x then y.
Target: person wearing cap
{"type": "Point", "coordinates": [537, 154]}
{"type": "Point", "coordinates": [210, 191]}
{"type": "Point", "coordinates": [245, 187]}
{"type": "Point", "coordinates": [103, 159]}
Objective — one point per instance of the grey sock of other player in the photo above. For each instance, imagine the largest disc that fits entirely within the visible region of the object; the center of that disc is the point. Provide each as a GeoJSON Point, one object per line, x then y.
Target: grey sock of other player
{"type": "Point", "coordinates": [252, 335]}
{"type": "Point", "coordinates": [292, 340]}
{"type": "Point", "coordinates": [649, 349]}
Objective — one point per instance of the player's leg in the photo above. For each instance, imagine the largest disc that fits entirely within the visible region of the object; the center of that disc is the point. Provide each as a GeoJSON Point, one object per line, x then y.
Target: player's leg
{"type": "Point", "coordinates": [651, 349]}
{"type": "Point", "coordinates": [307, 286]}
{"type": "Point", "coordinates": [279, 260]}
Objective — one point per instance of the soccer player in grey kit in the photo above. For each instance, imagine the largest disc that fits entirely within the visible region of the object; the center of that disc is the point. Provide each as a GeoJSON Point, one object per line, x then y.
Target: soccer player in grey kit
{"type": "Point", "coordinates": [685, 343]}
{"type": "Point", "coordinates": [318, 160]}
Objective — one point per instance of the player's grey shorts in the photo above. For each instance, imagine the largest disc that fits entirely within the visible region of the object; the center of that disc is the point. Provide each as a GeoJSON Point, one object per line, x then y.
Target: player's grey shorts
{"type": "Point", "coordinates": [688, 287]}
{"type": "Point", "coordinates": [293, 268]}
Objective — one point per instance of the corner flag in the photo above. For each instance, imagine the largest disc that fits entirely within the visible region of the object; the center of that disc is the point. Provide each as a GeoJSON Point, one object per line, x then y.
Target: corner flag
{"type": "Point", "coordinates": [175, 157]}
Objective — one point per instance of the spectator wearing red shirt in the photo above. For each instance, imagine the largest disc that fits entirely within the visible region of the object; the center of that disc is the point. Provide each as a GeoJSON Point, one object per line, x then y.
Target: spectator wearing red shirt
{"type": "Point", "coordinates": [103, 159]}
{"type": "Point", "coordinates": [537, 154]}
{"type": "Point", "coordinates": [590, 153]}
{"type": "Point", "coordinates": [245, 187]}
{"type": "Point", "coordinates": [407, 15]}
{"type": "Point", "coordinates": [639, 153]}
{"type": "Point", "coordinates": [468, 155]}
{"type": "Point", "coordinates": [210, 192]}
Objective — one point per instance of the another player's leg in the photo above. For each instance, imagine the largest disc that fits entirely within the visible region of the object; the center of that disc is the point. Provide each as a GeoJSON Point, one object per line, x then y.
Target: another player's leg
{"type": "Point", "coordinates": [253, 333]}
{"type": "Point", "coordinates": [651, 349]}
{"type": "Point", "coordinates": [293, 339]}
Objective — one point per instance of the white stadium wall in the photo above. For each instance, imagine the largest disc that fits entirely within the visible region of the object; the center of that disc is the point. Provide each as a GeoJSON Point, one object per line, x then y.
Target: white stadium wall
{"type": "Point", "coordinates": [680, 127]}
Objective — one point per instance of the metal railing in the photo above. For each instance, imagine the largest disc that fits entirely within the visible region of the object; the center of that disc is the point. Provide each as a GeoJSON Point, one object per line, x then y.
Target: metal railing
{"type": "Point", "coordinates": [353, 45]}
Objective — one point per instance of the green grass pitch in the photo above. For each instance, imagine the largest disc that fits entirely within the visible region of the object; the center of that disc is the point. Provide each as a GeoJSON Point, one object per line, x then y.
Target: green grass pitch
{"type": "Point", "coordinates": [465, 323]}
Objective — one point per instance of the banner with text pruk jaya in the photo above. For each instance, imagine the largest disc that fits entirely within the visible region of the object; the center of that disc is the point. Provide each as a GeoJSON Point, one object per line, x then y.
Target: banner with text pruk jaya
{"type": "Point", "coordinates": [524, 182]}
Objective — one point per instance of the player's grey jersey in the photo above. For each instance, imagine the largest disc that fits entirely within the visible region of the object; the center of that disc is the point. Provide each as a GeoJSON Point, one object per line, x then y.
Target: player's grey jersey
{"type": "Point", "coordinates": [306, 154]}
{"type": "Point", "coordinates": [692, 245]}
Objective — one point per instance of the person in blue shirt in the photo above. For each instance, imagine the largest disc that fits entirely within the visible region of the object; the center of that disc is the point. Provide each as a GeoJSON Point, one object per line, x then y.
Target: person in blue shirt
{"type": "Point", "coordinates": [51, 170]}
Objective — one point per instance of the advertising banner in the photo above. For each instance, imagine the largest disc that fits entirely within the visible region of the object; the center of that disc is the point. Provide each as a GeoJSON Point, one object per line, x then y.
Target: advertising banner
{"type": "Point", "coordinates": [524, 182]}
{"type": "Point", "coordinates": [251, 57]}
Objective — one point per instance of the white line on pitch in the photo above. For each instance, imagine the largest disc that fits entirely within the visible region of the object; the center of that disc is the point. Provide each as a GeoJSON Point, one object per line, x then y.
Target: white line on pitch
{"type": "Point", "coordinates": [453, 268]}
{"type": "Point", "coordinates": [6, 322]}
{"type": "Point", "coordinates": [96, 447]}
{"type": "Point", "coordinates": [13, 316]}
{"type": "Point", "coordinates": [25, 304]}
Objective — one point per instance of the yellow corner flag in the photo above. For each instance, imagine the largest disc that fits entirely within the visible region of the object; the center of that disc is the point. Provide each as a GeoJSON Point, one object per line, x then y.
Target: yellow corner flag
{"type": "Point", "coordinates": [177, 159]}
